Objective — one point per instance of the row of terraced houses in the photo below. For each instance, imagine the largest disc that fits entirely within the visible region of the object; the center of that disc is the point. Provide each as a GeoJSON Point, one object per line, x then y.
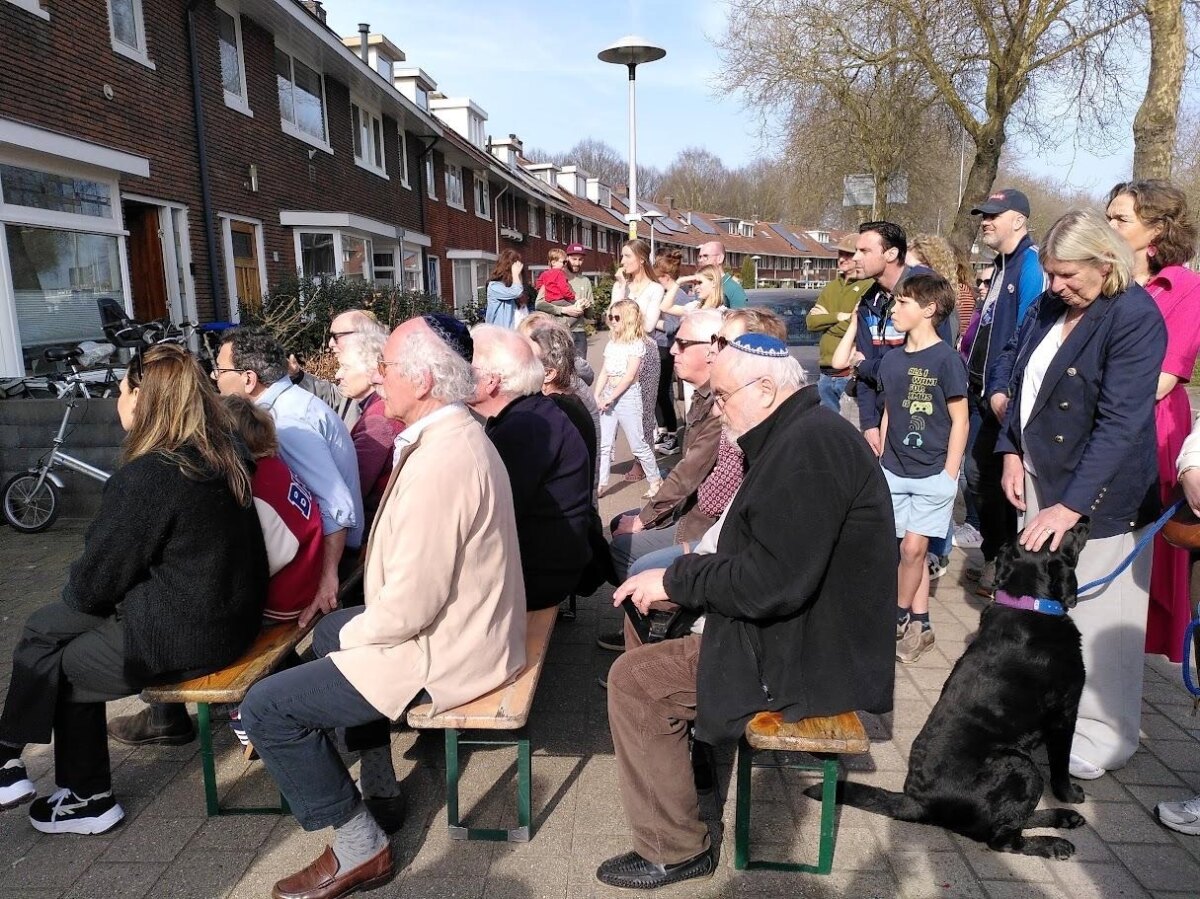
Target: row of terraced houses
{"type": "Point", "coordinates": [186, 155]}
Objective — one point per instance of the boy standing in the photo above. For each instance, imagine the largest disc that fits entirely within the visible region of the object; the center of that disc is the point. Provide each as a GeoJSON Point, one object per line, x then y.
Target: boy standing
{"type": "Point", "coordinates": [554, 280]}
{"type": "Point", "coordinates": [924, 436]}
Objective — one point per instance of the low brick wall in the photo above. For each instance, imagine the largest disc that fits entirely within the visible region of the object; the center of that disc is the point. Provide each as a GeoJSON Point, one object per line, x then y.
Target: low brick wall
{"type": "Point", "coordinates": [27, 428]}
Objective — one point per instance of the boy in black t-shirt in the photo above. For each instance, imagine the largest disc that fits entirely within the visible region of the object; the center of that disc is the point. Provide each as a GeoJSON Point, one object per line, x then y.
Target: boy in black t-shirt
{"type": "Point", "coordinates": [924, 436]}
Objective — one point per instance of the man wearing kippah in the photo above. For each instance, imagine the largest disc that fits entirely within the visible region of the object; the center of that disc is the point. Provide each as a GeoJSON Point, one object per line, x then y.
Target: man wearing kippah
{"type": "Point", "coordinates": [795, 580]}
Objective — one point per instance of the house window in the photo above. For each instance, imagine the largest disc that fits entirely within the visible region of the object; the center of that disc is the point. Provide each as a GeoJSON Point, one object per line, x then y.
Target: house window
{"type": "Point", "coordinates": [577, 231]}
{"type": "Point", "coordinates": [404, 158]}
{"type": "Point", "coordinates": [301, 100]}
{"type": "Point", "coordinates": [430, 178]}
{"type": "Point", "coordinates": [384, 264]}
{"type": "Point", "coordinates": [551, 227]}
{"type": "Point", "coordinates": [61, 245]}
{"type": "Point", "coordinates": [470, 280]}
{"type": "Point", "coordinates": [233, 68]}
{"type": "Point", "coordinates": [317, 259]}
{"type": "Point", "coordinates": [413, 279]}
{"type": "Point", "coordinates": [356, 253]}
{"type": "Point", "coordinates": [127, 27]}
{"type": "Point", "coordinates": [433, 276]}
{"type": "Point", "coordinates": [383, 65]}
{"type": "Point", "coordinates": [534, 215]}
{"type": "Point", "coordinates": [367, 128]}
{"type": "Point", "coordinates": [32, 6]}
{"type": "Point", "coordinates": [483, 196]}
{"type": "Point", "coordinates": [475, 131]}
{"type": "Point", "coordinates": [587, 236]}
{"type": "Point", "coordinates": [454, 186]}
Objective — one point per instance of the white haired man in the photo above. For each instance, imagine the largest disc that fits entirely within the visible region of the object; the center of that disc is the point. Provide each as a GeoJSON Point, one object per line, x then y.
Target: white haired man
{"type": "Point", "coordinates": [444, 616]}
{"type": "Point", "coordinates": [547, 461]}
{"type": "Point", "coordinates": [797, 617]}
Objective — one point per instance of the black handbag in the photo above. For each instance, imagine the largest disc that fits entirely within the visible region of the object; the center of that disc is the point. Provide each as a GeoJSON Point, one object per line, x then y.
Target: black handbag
{"type": "Point", "coordinates": [660, 624]}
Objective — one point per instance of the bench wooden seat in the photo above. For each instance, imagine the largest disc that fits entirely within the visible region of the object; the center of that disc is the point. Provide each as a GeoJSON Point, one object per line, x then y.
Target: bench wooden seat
{"type": "Point", "coordinates": [830, 738]}
{"type": "Point", "coordinates": [505, 708]}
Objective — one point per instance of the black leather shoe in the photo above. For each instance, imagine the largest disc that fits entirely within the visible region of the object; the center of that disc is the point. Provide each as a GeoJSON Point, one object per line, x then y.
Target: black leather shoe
{"type": "Point", "coordinates": [388, 813]}
{"type": "Point", "coordinates": [146, 727]}
{"type": "Point", "coordinates": [632, 872]}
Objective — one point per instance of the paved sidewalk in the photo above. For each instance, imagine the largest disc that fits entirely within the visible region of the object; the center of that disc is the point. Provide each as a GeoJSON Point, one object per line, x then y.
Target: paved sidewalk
{"type": "Point", "coordinates": [167, 848]}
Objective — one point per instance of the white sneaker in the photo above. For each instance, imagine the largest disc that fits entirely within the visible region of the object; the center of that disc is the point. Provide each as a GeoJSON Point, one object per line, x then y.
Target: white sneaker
{"type": "Point", "coordinates": [15, 785]}
{"type": "Point", "coordinates": [937, 567]}
{"type": "Point", "coordinates": [1082, 769]}
{"type": "Point", "coordinates": [967, 536]}
{"type": "Point", "coordinates": [650, 493]}
{"type": "Point", "coordinates": [65, 812]}
{"type": "Point", "coordinates": [1181, 816]}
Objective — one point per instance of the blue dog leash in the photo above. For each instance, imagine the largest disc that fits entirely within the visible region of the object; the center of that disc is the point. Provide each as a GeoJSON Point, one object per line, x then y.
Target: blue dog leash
{"type": "Point", "coordinates": [1142, 543]}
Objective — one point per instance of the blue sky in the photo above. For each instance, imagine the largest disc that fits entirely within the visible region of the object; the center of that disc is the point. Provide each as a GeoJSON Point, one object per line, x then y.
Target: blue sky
{"type": "Point", "coordinates": [533, 67]}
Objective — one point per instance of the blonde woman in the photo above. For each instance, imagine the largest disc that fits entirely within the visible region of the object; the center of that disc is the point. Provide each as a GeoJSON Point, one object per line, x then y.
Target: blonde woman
{"type": "Point", "coordinates": [619, 393]}
{"type": "Point", "coordinates": [709, 292]}
{"type": "Point", "coordinates": [936, 253]}
{"type": "Point", "coordinates": [170, 585]}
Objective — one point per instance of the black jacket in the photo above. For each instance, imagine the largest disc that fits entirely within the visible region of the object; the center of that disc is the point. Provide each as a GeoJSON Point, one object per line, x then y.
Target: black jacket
{"type": "Point", "coordinates": [801, 592]}
{"type": "Point", "coordinates": [551, 476]}
{"type": "Point", "coordinates": [180, 562]}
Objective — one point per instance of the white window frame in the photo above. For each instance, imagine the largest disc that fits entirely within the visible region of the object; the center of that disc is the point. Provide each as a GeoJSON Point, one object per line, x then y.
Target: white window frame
{"type": "Point", "coordinates": [32, 6]}
{"type": "Point", "coordinates": [482, 192]}
{"type": "Point", "coordinates": [339, 265]}
{"type": "Point", "coordinates": [453, 176]}
{"type": "Point", "coordinates": [481, 263]}
{"type": "Point", "coordinates": [551, 227]}
{"type": "Point", "coordinates": [235, 310]}
{"type": "Point", "coordinates": [404, 182]}
{"type": "Point", "coordinates": [430, 177]}
{"type": "Point", "coordinates": [290, 128]}
{"type": "Point", "coordinates": [433, 286]}
{"type": "Point", "coordinates": [11, 359]}
{"type": "Point", "coordinates": [587, 235]}
{"type": "Point", "coordinates": [140, 53]}
{"type": "Point", "coordinates": [535, 215]}
{"type": "Point", "coordinates": [371, 124]}
{"type": "Point", "coordinates": [385, 247]}
{"type": "Point", "coordinates": [233, 101]}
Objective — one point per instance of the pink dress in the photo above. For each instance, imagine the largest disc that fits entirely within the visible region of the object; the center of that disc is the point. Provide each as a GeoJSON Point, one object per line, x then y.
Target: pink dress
{"type": "Point", "coordinates": [1176, 290]}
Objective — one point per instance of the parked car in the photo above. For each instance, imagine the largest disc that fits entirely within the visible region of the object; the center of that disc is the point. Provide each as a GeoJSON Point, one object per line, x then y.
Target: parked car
{"type": "Point", "coordinates": [792, 304]}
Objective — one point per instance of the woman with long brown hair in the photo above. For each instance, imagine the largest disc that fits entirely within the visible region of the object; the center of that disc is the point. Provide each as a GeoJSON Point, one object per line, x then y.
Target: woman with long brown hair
{"type": "Point", "coordinates": [636, 282]}
{"type": "Point", "coordinates": [505, 289]}
{"type": "Point", "coordinates": [170, 585]}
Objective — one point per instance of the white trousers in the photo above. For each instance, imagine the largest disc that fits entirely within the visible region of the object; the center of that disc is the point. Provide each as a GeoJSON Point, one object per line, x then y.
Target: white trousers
{"type": "Point", "coordinates": [1112, 622]}
{"type": "Point", "coordinates": [627, 411]}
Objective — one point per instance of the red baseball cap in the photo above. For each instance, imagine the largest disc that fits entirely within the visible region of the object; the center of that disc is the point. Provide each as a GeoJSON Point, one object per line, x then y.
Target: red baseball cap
{"type": "Point", "coordinates": [576, 249]}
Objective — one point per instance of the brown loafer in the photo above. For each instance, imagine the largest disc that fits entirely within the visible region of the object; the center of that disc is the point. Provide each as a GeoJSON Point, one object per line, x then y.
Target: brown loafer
{"type": "Point", "coordinates": [323, 880]}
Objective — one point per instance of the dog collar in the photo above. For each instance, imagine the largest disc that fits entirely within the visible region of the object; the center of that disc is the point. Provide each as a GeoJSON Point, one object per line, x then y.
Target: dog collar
{"type": "Point", "coordinates": [1031, 603]}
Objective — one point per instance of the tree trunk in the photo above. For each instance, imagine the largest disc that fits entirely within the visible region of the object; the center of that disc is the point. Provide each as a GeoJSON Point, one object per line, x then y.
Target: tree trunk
{"type": "Point", "coordinates": [980, 178]}
{"type": "Point", "coordinates": [1155, 124]}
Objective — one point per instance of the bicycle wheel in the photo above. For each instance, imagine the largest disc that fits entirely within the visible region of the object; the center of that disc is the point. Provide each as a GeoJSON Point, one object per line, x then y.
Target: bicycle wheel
{"type": "Point", "coordinates": [29, 508]}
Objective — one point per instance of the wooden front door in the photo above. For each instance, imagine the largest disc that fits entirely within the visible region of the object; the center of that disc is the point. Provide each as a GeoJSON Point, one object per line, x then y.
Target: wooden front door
{"type": "Point", "coordinates": [245, 265]}
{"type": "Point", "coordinates": [147, 277]}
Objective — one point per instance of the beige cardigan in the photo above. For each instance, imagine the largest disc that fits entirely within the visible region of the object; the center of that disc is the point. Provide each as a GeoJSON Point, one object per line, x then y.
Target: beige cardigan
{"type": "Point", "coordinates": [445, 601]}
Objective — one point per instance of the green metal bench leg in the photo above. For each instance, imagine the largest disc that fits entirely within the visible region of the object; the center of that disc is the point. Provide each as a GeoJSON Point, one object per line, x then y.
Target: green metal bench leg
{"type": "Point", "coordinates": [457, 831]}
{"type": "Point", "coordinates": [519, 834]}
{"type": "Point", "coordinates": [524, 799]}
{"type": "Point", "coordinates": [211, 802]}
{"type": "Point", "coordinates": [828, 816]}
{"type": "Point", "coordinates": [741, 813]}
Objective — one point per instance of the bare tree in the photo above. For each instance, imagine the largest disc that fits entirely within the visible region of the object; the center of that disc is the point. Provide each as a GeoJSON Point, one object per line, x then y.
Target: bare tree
{"type": "Point", "coordinates": [986, 61]}
{"type": "Point", "coordinates": [600, 160]}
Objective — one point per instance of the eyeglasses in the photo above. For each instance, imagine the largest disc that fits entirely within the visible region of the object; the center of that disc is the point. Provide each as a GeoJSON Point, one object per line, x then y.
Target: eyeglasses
{"type": "Point", "coordinates": [718, 343]}
{"type": "Point", "coordinates": [722, 399]}
{"type": "Point", "coordinates": [335, 336]}
{"type": "Point", "coordinates": [217, 372]}
{"type": "Point", "coordinates": [383, 364]}
{"type": "Point", "coordinates": [684, 344]}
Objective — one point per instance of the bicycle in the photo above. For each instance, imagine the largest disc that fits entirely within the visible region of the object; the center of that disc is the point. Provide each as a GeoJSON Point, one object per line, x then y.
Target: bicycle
{"type": "Point", "coordinates": [30, 500]}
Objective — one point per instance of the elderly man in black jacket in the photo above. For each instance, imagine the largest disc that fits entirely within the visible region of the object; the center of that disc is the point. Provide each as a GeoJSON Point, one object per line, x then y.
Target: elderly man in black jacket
{"type": "Point", "coordinates": [797, 582]}
{"type": "Point", "coordinates": [547, 461]}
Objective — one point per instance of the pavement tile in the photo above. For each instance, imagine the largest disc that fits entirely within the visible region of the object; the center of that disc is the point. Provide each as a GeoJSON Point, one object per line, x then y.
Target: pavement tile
{"type": "Point", "coordinates": [1097, 881]}
{"type": "Point", "coordinates": [928, 874]}
{"type": "Point", "coordinates": [1007, 889]}
{"type": "Point", "coordinates": [1175, 755]}
{"type": "Point", "coordinates": [1159, 867]}
{"type": "Point", "coordinates": [440, 887]}
{"type": "Point", "coordinates": [150, 839]}
{"type": "Point", "coordinates": [116, 880]}
{"type": "Point", "coordinates": [53, 862]}
{"type": "Point", "coordinates": [525, 873]}
{"type": "Point", "coordinates": [1144, 768]}
{"type": "Point", "coordinates": [198, 874]}
{"type": "Point", "coordinates": [991, 865]}
{"type": "Point", "coordinates": [1123, 822]}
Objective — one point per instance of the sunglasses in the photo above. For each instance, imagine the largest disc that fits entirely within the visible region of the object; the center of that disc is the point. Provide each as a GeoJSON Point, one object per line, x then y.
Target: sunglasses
{"type": "Point", "coordinates": [979, 282]}
{"type": "Point", "coordinates": [684, 344]}
{"type": "Point", "coordinates": [614, 318]}
{"type": "Point", "coordinates": [335, 336]}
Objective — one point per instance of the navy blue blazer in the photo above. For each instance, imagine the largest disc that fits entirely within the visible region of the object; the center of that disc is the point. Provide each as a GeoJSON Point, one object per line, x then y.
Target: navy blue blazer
{"type": "Point", "coordinates": [1091, 434]}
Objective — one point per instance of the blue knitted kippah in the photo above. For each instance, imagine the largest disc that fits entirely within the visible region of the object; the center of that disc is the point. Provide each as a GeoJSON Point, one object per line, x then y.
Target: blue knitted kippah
{"type": "Point", "coordinates": [453, 333]}
{"type": "Point", "coordinates": [760, 345]}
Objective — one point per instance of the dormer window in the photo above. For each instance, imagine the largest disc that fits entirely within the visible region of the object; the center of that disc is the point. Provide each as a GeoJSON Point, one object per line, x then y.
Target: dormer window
{"type": "Point", "coordinates": [476, 133]}
{"type": "Point", "coordinates": [383, 65]}
{"type": "Point", "coordinates": [746, 229]}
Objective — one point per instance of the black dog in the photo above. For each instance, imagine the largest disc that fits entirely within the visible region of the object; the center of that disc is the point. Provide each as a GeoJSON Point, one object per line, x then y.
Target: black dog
{"type": "Point", "coordinates": [1017, 685]}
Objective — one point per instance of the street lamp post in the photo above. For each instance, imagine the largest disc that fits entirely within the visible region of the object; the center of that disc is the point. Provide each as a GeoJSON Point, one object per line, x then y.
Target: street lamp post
{"type": "Point", "coordinates": [756, 260]}
{"type": "Point", "coordinates": [652, 216]}
{"type": "Point", "coordinates": [632, 51]}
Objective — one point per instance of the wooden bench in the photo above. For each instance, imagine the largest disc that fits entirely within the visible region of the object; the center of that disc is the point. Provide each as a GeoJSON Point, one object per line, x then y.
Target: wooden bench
{"type": "Point", "coordinates": [229, 685]}
{"type": "Point", "coordinates": [829, 738]}
{"type": "Point", "coordinates": [505, 708]}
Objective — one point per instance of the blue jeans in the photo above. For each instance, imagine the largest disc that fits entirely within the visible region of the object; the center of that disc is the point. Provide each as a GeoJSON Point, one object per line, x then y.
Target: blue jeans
{"type": "Point", "coordinates": [288, 717]}
{"type": "Point", "coordinates": [830, 389]}
{"type": "Point", "coordinates": [661, 558]}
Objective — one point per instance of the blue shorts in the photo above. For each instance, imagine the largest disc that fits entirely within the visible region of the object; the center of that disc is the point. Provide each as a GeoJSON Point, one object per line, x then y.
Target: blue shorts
{"type": "Point", "coordinates": [922, 505]}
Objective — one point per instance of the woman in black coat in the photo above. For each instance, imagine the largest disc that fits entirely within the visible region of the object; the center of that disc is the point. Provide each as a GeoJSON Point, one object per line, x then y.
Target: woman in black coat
{"type": "Point", "coordinates": [170, 585]}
